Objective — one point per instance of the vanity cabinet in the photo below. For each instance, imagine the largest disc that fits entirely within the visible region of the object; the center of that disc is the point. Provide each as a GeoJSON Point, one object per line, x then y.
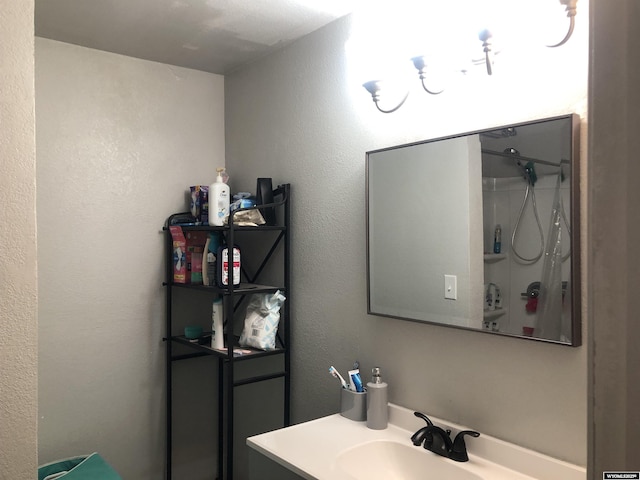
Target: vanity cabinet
{"type": "Point", "coordinates": [270, 244]}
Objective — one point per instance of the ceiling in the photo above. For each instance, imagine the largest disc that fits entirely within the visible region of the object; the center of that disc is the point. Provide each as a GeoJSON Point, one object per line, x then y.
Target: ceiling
{"type": "Point", "coordinates": [214, 36]}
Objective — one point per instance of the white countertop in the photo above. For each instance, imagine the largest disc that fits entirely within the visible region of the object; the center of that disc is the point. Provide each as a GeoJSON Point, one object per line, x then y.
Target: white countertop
{"type": "Point", "coordinates": [311, 449]}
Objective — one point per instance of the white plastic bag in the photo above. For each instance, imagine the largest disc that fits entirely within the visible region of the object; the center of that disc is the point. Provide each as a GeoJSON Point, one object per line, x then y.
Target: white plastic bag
{"type": "Point", "coordinates": [261, 321]}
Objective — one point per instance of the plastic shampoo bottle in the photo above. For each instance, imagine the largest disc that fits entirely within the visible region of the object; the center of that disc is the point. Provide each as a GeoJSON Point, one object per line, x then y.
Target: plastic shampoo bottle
{"type": "Point", "coordinates": [209, 259]}
{"type": "Point", "coordinates": [377, 408]}
{"type": "Point", "coordinates": [217, 339]}
{"type": "Point", "coordinates": [218, 200]}
{"type": "Point", "coordinates": [497, 239]}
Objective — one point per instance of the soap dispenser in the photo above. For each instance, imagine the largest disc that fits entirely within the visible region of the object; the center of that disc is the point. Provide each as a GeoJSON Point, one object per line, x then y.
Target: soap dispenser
{"type": "Point", "coordinates": [377, 408]}
{"type": "Point", "coordinates": [218, 200]}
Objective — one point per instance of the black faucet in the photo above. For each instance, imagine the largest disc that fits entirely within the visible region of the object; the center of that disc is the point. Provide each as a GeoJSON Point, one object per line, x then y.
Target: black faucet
{"type": "Point", "coordinates": [422, 435]}
{"type": "Point", "coordinates": [438, 440]}
{"type": "Point", "coordinates": [459, 449]}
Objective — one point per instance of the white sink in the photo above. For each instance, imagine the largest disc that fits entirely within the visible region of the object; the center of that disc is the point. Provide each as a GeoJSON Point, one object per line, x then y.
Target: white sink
{"type": "Point", "coordinates": [390, 460]}
{"type": "Point", "coordinates": [336, 448]}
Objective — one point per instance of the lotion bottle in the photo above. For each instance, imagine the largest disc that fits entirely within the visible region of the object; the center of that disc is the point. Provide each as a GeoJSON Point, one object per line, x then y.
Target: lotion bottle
{"type": "Point", "coordinates": [377, 408]}
{"type": "Point", "coordinates": [218, 200]}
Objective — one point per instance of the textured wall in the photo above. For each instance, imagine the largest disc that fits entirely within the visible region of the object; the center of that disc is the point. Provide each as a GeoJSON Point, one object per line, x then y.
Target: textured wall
{"type": "Point", "coordinates": [119, 142]}
{"type": "Point", "coordinates": [18, 291]}
{"type": "Point", "coordinates": [299, 116]}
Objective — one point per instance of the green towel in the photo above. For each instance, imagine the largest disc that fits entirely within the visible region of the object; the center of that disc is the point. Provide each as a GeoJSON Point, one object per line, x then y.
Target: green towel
{"type": "Point", "coordinates": [86, 467]}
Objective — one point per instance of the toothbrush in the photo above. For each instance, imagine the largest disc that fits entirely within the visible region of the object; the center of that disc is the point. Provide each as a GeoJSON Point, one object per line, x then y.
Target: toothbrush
{"type": "Point", "coordinates": [335, 373]}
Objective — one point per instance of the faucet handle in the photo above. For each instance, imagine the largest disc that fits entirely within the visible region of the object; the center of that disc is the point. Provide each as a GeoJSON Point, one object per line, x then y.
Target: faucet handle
{"type": "Point", "coordinates": [424, 417]}
{"type": "Point", "coordinates": [459, 449]}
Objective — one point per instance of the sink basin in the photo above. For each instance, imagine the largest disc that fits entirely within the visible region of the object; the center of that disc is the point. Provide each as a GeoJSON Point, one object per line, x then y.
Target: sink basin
{"type": "Point", "coordinates": [337, 448]}
{"type": "Point", "coordinates": [389, 460]}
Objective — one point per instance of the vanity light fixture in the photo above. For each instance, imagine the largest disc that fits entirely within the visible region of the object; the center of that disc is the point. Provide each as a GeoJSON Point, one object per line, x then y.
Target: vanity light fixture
{"type": "Point", "coordinates": [571, 9]}
{"type": "Point", "coordinates": [420, 64]}
{"type": "Point", "coordinates": [485, 37]}
{"type": "Point", "coordinates": [375, 86]}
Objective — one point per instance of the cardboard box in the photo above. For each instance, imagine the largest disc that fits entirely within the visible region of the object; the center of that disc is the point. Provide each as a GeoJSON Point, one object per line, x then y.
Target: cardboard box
{"type": "Point", "coordinates": [179, 255]}
{"type": "Point", "coordinates": [194, 268]}
{"type": "Point", "coordinates": [195, 248]}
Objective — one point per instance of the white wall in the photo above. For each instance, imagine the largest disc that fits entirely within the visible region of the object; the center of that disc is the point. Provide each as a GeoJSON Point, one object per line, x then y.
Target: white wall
{"type": "Point", "coordinates": [410, 252]}
{"type": "Point", "coordinates": [18, 290]}
{"type": "Point", "coordinates": [299, 116]}
{"type": "Point", "coordinates": [119, 142]}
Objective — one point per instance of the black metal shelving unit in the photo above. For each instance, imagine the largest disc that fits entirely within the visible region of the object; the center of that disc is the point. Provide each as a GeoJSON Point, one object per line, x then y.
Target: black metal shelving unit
{"type": "Point", "coordinates": [233, 297]}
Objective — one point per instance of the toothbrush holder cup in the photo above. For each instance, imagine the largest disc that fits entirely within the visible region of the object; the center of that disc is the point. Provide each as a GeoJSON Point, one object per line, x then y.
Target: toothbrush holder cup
{"type": "Point", "coordinates": [353, 405]}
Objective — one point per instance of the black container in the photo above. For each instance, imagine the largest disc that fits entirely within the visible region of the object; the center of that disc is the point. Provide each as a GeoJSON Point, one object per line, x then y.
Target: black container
{"type": "Point", "coordinates": [264, 195]}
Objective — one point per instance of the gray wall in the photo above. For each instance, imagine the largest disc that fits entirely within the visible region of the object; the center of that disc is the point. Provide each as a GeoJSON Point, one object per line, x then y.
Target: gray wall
{"type": "Point", "coordinates": [119, 142]}
{"type": "Point", "coordinates": [424, 223]}
{"type": "Point", "coordinates": [299, 116]}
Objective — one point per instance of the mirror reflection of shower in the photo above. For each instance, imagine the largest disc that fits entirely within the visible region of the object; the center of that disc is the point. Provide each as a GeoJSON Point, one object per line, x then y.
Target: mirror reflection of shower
{"type": "Point", "coordinates": [530, 177]}
{"type": "Point", "coordinates": [524, 193]}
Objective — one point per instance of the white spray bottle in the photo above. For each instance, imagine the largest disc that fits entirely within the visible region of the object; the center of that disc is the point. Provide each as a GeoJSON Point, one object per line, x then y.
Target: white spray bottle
{"type": "Point", "coordinates": [217, 339]}
{"type": "Point", "coordinates": [218, 200]}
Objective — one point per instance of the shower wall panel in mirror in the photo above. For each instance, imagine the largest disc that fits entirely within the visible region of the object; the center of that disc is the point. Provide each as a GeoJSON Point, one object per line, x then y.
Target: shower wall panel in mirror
{"type": "Point", "coordinates": [479, 231]}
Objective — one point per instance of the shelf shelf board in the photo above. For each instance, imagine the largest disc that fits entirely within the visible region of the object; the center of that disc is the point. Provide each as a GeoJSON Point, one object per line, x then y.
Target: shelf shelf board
{"type": "Point", "coordinates": [236, 228]}
{"type": "Point", "coordinates": [242, 289]}
{"type": "Point", "coordinates": [494, 257]}
{"type": "Point", "coordinates": [498, 312]}
{"type": "Point", "coordinates": [243, 353]}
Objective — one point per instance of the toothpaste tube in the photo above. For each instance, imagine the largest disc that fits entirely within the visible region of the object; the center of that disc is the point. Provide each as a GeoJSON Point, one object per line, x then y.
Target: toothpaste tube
{"type": "Point", "coordinates": [355, 382]}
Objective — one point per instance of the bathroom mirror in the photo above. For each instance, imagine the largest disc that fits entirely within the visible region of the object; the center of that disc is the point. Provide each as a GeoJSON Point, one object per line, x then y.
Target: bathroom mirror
{"type": "Point", "coordinates": [479, 231]}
